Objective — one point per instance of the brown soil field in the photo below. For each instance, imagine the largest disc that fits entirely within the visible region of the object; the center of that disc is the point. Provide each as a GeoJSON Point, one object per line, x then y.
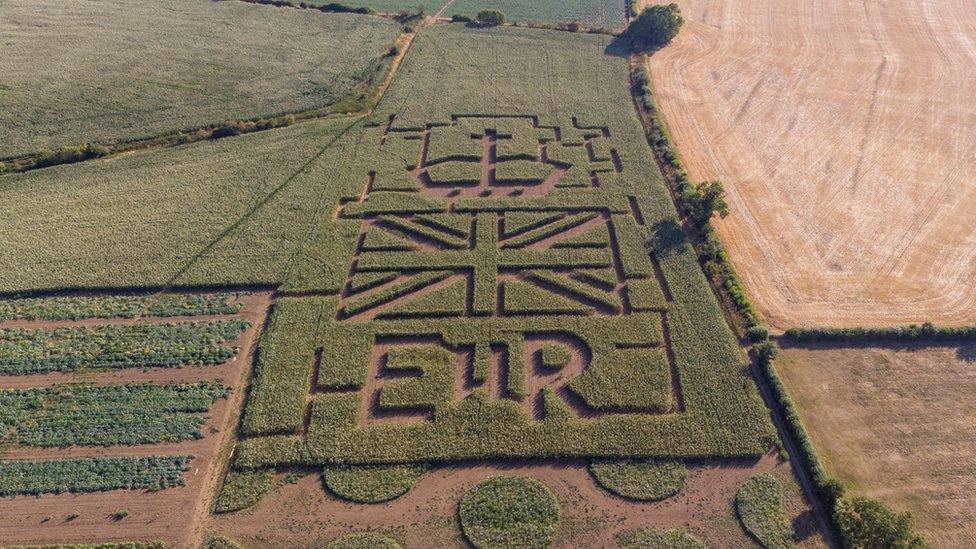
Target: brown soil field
{"type": "Point", "coordinates": [895, 423]}
{"type": "Point", "coordinates": [845, 134]}
{"type": "Point", "coordinates": [174, 515]}
{"type": "Point", "coordinates": [305, 514]}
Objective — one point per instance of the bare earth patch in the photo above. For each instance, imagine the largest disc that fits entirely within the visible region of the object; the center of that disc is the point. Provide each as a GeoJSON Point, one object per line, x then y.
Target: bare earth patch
{"type": "Point", "coordinates": [897, 424]}
{"type": "Point", "coordinates": [305, 514]}
{"type": "Point", "coordinates": [173, 515]}
{"type": "Point", "coordinates": [845, 133]}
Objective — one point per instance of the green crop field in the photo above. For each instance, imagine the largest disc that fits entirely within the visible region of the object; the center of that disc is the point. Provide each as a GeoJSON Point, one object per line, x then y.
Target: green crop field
{"type": "Point", "coordinates": [596, 13]}
{"type": "Point", "coordinates": [488, 265]}
{"type": "Point", "coordinates": [85, 71]}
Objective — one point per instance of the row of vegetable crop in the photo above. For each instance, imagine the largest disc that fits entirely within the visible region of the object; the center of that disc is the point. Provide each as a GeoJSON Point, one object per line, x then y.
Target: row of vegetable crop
{"type": "Point", "coordinates": [78, 307]}
{"type": "Point", "coordinates": [25, 351]}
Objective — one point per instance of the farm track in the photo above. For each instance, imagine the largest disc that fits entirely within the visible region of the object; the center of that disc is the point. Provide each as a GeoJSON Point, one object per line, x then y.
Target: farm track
{"type": "Point", "coordinates": [845, 137]}
{"type": "Point", "coordinates": [175, 515]}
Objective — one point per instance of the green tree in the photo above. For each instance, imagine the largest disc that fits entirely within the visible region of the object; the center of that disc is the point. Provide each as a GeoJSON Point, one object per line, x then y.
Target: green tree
{"type": "Point", "coordinates": [490, 18]}
{"type": "Point", "coordinates": [705, 200]}
{"type": "Point", "coordinates": [655, 27]}
{"type": "Point", "coordinates": [869, 524]}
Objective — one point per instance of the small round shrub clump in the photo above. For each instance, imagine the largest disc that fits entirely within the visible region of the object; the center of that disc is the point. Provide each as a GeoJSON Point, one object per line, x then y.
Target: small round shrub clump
{"type": "Point", "coordinates": [759, 505]}
{"type": "Point", "coordinates": [364, 540]}
{"type": "Point", "coordinates": [555, 356]}
{"type": "Point", "coordinates": [654, 538]}
{"type": "Point", "coordinates": [509, 513]}
{"type": "Point", "coordinates": [372, 483]}
{"type": "Point", "coordinates": [641, 480]}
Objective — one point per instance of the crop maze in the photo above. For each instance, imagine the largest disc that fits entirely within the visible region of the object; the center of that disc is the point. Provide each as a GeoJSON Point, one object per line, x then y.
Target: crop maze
{"type": "Point", "coordinates": [501, 286]}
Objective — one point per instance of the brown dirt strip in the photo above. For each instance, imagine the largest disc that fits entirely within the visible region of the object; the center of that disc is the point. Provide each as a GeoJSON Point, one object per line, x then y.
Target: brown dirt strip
{"type": "Point", "coordinates": [174, 515]}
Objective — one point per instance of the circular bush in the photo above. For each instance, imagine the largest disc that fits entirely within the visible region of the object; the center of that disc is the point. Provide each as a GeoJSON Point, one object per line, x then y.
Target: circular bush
{"type": "Point", "coordinates": [509, 512]}
{"type": "Point", "coordinates": [364, 540]}
{"type": "Point", "coordinates": [641, 480]}
{"type": "Point", "coordinates": [372, 483]}
{"type": "Point", "coordinates": [759, 503]}
{"type": "Point", "coordinates": [654, 538]}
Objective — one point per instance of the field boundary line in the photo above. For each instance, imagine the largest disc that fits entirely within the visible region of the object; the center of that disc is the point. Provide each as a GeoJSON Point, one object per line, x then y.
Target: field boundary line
{"type": "Point", "coordinates": [790, 433]}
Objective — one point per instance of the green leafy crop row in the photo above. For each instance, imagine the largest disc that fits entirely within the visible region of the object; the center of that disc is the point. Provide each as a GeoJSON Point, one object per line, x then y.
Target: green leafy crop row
{"type": "Point", "coordinates": [92, 474]}
{"type": "Point", "coordinates": [106, 347]}
{"type": "Point", "coordinates": [117, 306]}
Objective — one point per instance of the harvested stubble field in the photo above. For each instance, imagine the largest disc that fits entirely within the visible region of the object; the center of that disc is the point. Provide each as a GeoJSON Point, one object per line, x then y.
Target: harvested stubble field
{"type": "Point", "coordinates": [102, 415]}
{"type": "Point", "coordinates": [83, 71]}
{"type": "Point", "coordinates": [896, 423]}
{"type": "Point", "coordinates": [845, 135]}
{"type": "Point", "coordinates": [596, 13]}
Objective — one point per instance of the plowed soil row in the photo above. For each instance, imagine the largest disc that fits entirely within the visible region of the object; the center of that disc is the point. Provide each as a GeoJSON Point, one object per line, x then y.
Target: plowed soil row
{"type": "Point", "coordinates": [174, 515]}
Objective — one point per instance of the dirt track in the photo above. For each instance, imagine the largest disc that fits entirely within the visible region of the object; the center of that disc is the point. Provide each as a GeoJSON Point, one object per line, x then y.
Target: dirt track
{"type": "Point", "coordinates": [845, 133]}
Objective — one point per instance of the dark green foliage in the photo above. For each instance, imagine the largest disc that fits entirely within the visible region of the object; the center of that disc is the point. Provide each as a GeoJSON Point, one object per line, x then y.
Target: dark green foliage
{"type": "Point", "coordinates": [870, 524]}
{"type": "Point", "coordinates": [757, 333]}
{"type": "Point", "coordinates": [655, 26]}
{"type": "Point", "coordinates": [111, 347]}
{"type": "Point", "coordinates": [509, 512]}
{"type": "Point", "coordinates": [765, 351]}
{"type": "Point", "coordinates": [759, 504]}
{"type": "Point", "coordinates": [640, 480]}
{"type": "Point", "coordinates": [66, 415]}
{"type": "Point", "coordinates": [703, 201]}
{"type": "Point", "coordinates": [372, 483]}
{"type": "Point", "coordinates": [69, 155]}
{"type": "Point", "coordinates": [243, 490]}
{"type": "Point", "coordinates": [364, 540]}
{"type": "Point", "coordinates": [92, 474]}
{"type": "Point", "coordinates": [902, 333]}
{"type": "Point", "coordinates": [490, 18]}
{"type": "Point", "coordinates": [655, 538]}
{"type": "Point", "coordinates": [117, 306]}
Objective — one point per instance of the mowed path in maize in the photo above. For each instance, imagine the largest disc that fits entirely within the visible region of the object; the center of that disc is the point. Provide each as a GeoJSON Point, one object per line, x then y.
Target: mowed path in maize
{"type": "Point", "coordinates": [845, 134]}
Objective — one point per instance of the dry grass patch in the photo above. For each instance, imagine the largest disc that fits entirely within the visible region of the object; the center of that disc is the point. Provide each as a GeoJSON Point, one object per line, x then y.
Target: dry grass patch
{"type": "Point", "coordinates": [896, 423]}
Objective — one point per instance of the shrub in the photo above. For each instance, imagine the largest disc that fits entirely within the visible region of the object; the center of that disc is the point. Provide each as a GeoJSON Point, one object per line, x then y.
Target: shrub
{"type": "Point", "coordinates": [490, 18]}
{"type": "Point", "coordinates": [640, 480]}
{"type": "Point", "coordinates": [766, 351]}
{"type": "Point", "coordinates": [216, 541]}
{"type": "Point", "coordinates": [760, 508]}
{"type": "Point", "coordinates": [655, 26]}
{"type": "Point", "coordinates": [372, 483]}
{"type": "Point", "coordinates": [757, 334]}
{"type": "Point", "coordinates": [870, 524]}
{"type": "Point", "coordinates": [458, 18]}
{"type": "Point", "coordinates": [120, 514]}
{"type": "Point", "coordinates": [509, 512]}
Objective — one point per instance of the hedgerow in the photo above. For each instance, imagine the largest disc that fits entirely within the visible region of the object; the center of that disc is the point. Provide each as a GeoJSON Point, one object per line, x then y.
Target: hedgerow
{"type": "Point", "coordinates": [66, 415]}
{"type": "Point", "coordinates": [509, 512]}
{"type": "Point", "coordinates": [91, 474]}
{"type": "Point", "coordinates": [644, 480]}
{"type": "Point", "coordinates": [118, 306]}
{"type": "Point", "coordinates": [116, 347]}
{"type": "Point", "coordinates": [372, 483]}
{"type": "Point", "coordinates": [759, 505]}
{"type": "Point", "coordinates": [656, 538]}
{"type": "Point", "coordinates": [912, 332]}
